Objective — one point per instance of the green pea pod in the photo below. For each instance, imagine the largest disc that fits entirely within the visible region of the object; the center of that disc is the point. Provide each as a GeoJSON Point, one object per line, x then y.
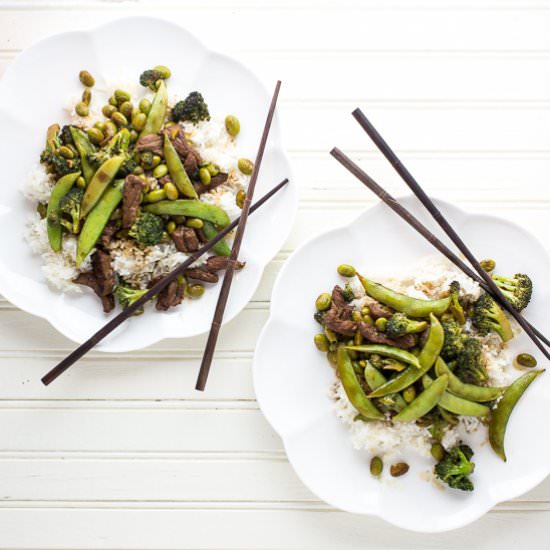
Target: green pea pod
{"type": "Point", "coordinates": [375, 379]}
{"type": "Point", "coordinates": [177, 171]}
{"type": "Point", "coordinates": [190, 208]}
{"type": "Point", "coordinates": [424, 403]}
{"type": "Point", "coordinates": [102, 178]}
{"type": "Point", "coordinates": [504, 408]}
{"type": "Point", "coordinates": [221, 248]}
{"type": "Point", "coordinates": [97, 220]}
{"type": "Point", "coordinates": [427, 357]}
{"type": "Point", "coordinates": [388, 351]}
{"type": "Point", "coordinates": [84, 147]}
{"type": "Point", "coordinates": [467, 391]}
{"type": "Point", "coordinates": [413, 307]}
{"type": "Point", "coordinates": [457, 405]}
{"type": "Point", "coordinates": [60, 189]}
{"type": "Point", "coordinates": [157, 112]}
{"type": "Point", "coordinates": [353, 388]}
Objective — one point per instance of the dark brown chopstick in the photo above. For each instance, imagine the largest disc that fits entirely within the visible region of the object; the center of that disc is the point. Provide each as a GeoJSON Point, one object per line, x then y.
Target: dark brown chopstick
{"type": "Point", "coordinates": [84, 348]}
{"type": "Point", "coordinates": [436, 214]}
{"type": "Point", "coordinates": [417, 225]}
{"type": "Point", "coordinates": [228, 277]}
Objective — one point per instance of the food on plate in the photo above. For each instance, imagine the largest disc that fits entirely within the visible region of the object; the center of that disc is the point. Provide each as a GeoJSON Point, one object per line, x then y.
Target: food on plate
{"type": "Point", "coordinates": [130, 184]}
{"type": "Point", "coordinates": [421, 363]}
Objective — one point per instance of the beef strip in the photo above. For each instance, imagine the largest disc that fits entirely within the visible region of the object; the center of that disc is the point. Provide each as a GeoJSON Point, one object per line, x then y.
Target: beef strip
{"type": "Point", "coordinates": [378, 310]}
{"type": "Point", "coordinates": [172, 295]}
{"type": "Point", "coordinates": [131, 199]}
{"type": "Point", "coordinates": [150, 142]}
{"type": "Point", "coordinates": [217, 263]}
{"type": "Point", "coordinates": [107, 235]}
{"type": "Point", "coordinates": [201, 275]}
{"type": "Point", "coordinates": [218, 179]}
{"type": "Point", "coordinates": [374, 336]}
{"type": "Point", "coordinates": [101, 279]}
{"type": "Point", "coordinates": [185, 239]}
{"type": "Point", "coordinates": [338, 318]}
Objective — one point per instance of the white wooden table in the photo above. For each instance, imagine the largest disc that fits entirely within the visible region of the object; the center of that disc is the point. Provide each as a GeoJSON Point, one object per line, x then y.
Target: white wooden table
{"type": "Point", "coordinates": [122, 452]}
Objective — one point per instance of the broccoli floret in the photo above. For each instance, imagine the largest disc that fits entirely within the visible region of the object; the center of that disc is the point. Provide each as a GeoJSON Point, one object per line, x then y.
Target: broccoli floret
{"type": "Point", "coordinates": [148, 229]}
{"type": "Point", "coordinates": [454, 339]}
{"type": "Point", "coordinates": [69, 207]}
{"type": "Point", "coordinates": [127, 167]}
{"type": "Point", "coordinates": [319, 316]}
{"type": "Point", "coordinates": [516, 289]}
{"type": "Point", "coordinates": [399, 324]}
{"type": "Point", "coordinates": [148, 79]}
{"type": "Point", "coordinates": [65, 135]}
{"type": "Point", "coordinates": [488, 317]}
{"type": "Point", "coordinates": [193, 108]}
{"type": "Point", "coordinates": [455, 308]}
{"type": "Point", "coordinates": [348, 293]}
{"type": "Point", "coordinates": [126, 296]}
{"type": "Point", "coordinates": [50, 156]}
{"type": "Point", "coordinates": [455, 467]}
{"type": "Point", "coordinates": [117, 145]}
{"type": "Point", "coordinates": [470, 367]}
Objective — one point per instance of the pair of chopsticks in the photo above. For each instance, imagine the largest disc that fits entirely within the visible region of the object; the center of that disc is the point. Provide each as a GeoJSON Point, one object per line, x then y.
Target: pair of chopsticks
{"type": "Point", "coordinates": [240, 224]}
{"type": "Point", "coordinates": [479, 275]}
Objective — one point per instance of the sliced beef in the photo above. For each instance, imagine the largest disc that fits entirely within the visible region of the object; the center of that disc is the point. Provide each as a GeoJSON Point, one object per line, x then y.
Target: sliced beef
{"type": "Point", "coordinates": [217, 263]}
{"type": "Point", "coordinates": [218, 179]}
{"type": "Point", "coordinates": [201, 275]}
{"type": "Point", "coordinates": [101, 279]}
{"type": "Point", "coordinates": [131, 199]}
{"type": "Point", "coordinates": [185, 239]}
{"type": "Point", "coordinates": [338, 318]}
{"type": "Point", "coordinates": [338, 299]}
{"type": "Point", "coordinates": [150, 142]}
{"type": "Point", "coordinates": [378, 310]}
{"type": "Point", "coordinates": [171, 296]}
{"type": "Point", "coordinates": [108, 234]}
{"type": "Point", "coordinates": [374, 336]}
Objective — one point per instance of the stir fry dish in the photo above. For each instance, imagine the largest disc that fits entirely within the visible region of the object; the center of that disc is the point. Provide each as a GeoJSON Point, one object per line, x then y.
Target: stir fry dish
{"type": "Point", "coordinates": [421, 363]}
{"type": "Point", "coordinates": [128, 188]}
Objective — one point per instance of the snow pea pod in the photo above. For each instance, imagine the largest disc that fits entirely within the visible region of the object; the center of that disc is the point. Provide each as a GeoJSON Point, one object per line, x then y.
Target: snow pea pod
{"type": "Point", "coordinates": [97, 220]}
{"type": "Point", "coordinates": [353, 389]}
{"type": "Point", "coordinates": [60, 189]}
{"type": "Point", "coordinates": [375, 379]}
{"type": "Point", "coordinates": [157, 112]}
{"type": "Point", "coordinates": [425, 402]}
{"type": "Point", "coordinates": [190, 208]}
{"type": "Point", "coordinates": [467, 391]}
{"type": "Point", "coordinates": [504, 408]}
{"type": "Point", "coordinates": [177, 171]}
{"type": "Point", "coordinates": [388, 351]}
{"type": "Point", "coordinates": [413, 307]}
{"type": "Point", "coordinates": [426, 359]}
{"type": "Point", "coordinates": [221, 248]}
{"type": "Point", "coordinates": [102, 178]}
{"type": "Point", "coordinates": [84, 147]}
{"type": "Point", "coordinates": [457, 405]}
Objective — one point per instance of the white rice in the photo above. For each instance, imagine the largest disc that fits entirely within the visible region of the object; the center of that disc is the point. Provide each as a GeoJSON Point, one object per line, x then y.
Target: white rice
{"type": "Point", "coordinates": [429, 278]}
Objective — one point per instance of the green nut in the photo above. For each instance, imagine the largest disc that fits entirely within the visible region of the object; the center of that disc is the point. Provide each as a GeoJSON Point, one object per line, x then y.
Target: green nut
{"type": "Point", "coordinates": [323, 301]}
{"type": "Point", "coordinates": [66, 152]}
{"type": "Point", "coordinates": [356, 316]}
{"type": "Point", "coordinates": [245, 166]}
{"type": "Point", "coordinates": [321, 342]}
{"type": "Point", "coordinates": [204, 176]}
{"type": "Point", "coordinates": [525, 360]}
{"type": "Point", "coordinates": [86, 79]}
{"type": "Point", "coordinates": [232, 125]}
{"type": "Point", "coordinates": [156, 161]}
{"type": "Point", "coordinates": [87, 96]}
{"type": "Point", "coordinates": [81, 182]}
{"type": "Point", "coordinates": [171, 191]}
{"type": "Point", "coordinates": [126, 109]}
{"type": "Point", "coordinates": [121, 96]}
{"type": "Point", "coordinates": [488, 265]}
{"type": "Point", "coordinates": [108, 110]}
{"type": "Point", "coordinates": [194, 223]}
{"type": "Point", "coordinates": [381, 323]}
{"type": "Point", "coordinates": [81, 109]}
{"type": "Point", "coordinates": [113, 101]}
{"type": "Point", "coordinates": [170, 226]}
{"type": "Point", "coordinates": [346, 270]}
{"type": "Point", "coordinates": [438, 451]}
{"type": "Point", "coordinates": [160, 171]}
{"type": "Point", "coordinates": [376, 466]}
{"type": "Point", "coordinates": [133, 136]}
{"type": "Point", "coordinates": [163, 70]}
{"type": "Point", "coordinates": [100, 125]}
{"type": "Point", "coordinates": [119, 119]}
{"type": "Point", "coordinates": [409, 394]}
{"type": "Point", "coordinates": [110, 129]}
{"type": "Point", "coordinates": [95, 136]}
{"type": "Point", "coordinates": [156, 195]}
{"type": "Point", "coordinates": [331, 335]}
{"type": "Point", "coordinates": [145, 106]}
{"type": "Point", "coordinates": [399, 469]}
{"type": "Point", "coordinates": [240, 198]}
{"type": "Point", "coordinates": [138, 121]}
{"type": "Point", "coordinates": [194, 291]}
{"type": "Point", "coordinates": [213, 169]}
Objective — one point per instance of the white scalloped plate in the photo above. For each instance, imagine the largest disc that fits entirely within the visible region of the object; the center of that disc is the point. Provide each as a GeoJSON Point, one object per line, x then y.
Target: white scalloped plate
{"type": "Point", "coordinates": [37, 85]}
{"type": "Point", "coordinates": [292, 378]}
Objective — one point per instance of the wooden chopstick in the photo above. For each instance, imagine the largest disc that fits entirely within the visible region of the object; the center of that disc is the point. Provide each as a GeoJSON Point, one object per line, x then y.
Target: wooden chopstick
{"type": "Point", "coordinates": [84, 348]}
{"type": "Point", "coordinates": [420, 228]}
{"type": "Point", "coordinates": [228, 277]}
{"type": "Point", "coordinates": [436, 214]}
